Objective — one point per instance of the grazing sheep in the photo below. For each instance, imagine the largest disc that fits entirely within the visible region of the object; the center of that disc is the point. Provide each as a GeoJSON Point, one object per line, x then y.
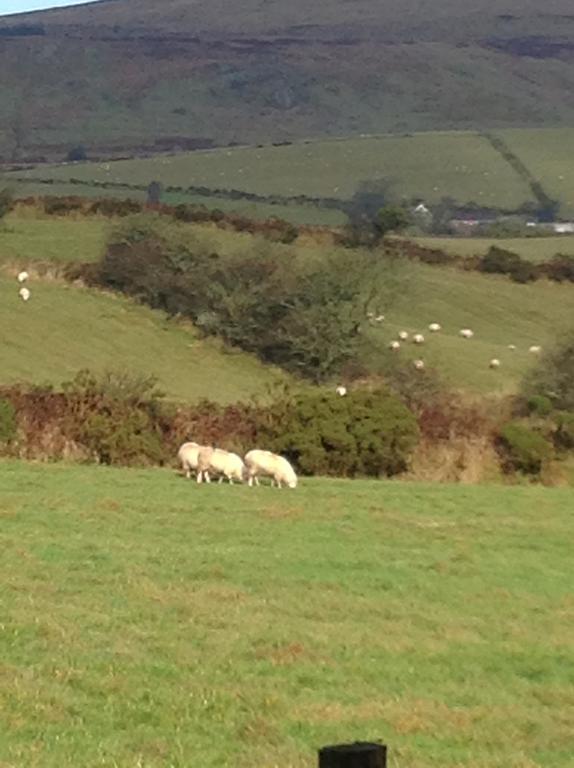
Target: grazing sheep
{"type": "Point", "coordinates": [24, 294]}
{"type": "Point", "coordinates": [418, 338]}
{"type": "Point", "coordinates": [341, 391]}
{"type": "Point", "coordinates": [394, 345]}
{"type": "Point", "coordinates": [466, 333]}
{"type": "Point", "coordinates": [23, 276]}
{"type": "Point", "coordinates": [419, 365]}
{"type": "Point", "coordinates": [512, 347]}
{"type": "Point", "coordinates": [188, 455]}
{"type": "Point", "coordinates": [403, 335]}
{"type": "Point", "coordinates": [435, 328]}
{"type": "Point", "coordinates": [494, 363]}
{"type": "Point", "coordinates": [370, 315]}
{"type": "Point", "coordinates": [219, 462]}
{"type": "Point", "coordinates": [267, 464]}
{"type": "Point", "coordinates": [535, 349]}
{"type": "Point", "coordinates": [379, 318]}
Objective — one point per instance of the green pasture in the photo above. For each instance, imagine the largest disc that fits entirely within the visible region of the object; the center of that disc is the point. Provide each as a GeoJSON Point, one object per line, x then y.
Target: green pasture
{"type": "Point", "coordinates": [536, 249]}
{"type": "Point", "coordinates": [63, 329]}
{"type": "Point", "coordinates": [548, 156]}
{"type": "Point", "coordinates": [499, 312]}
{"type": "Point", "coordinates": [461, 165]}
{"type": "Point", "coordinates": [147, 621]}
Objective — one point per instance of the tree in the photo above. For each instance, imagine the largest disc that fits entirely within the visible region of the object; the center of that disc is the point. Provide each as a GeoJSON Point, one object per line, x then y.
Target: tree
{"type": "Point", "coordinates": [154, 192]}
{"type": "Point", "coordinates": [391, 219]}
{"type": "Point", "coordinates": [77, 154]}
{"type": "Point", "coordinates": [554, 376]}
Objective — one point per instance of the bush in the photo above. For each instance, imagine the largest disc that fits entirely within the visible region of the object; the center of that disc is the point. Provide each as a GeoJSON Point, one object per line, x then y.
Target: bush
{"type": "Point", "coordinates": [6, 202]}
{"type": "Point", "coordinates": [523, 450]}
{"type": "Point", "coordinates": [499, 261]}
{"type": "Point", "coordinates": [8, 424]}
{"type": "Point", "coordinates": [560, 268]}
{"type": "Point", "coordinates": [564, 435]}
{"type": "Point", "coordinates": [61, 206]}
{"type": "Point", "coordinates": [539, 405]}
{"type": "Point", "coordinates": [553, 377]}
{"type": "Point", "coordinates": [364, 433]}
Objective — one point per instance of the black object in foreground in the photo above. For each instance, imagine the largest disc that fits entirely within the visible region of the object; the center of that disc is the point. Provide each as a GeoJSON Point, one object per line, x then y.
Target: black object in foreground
{"type": "Point", "coordinates": [358, 755]}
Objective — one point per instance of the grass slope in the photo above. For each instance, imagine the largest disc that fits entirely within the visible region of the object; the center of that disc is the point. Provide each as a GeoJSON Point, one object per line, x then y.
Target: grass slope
{"type": "Point", "coordinates": [151, 75]}
{"type": "Point", "coordinates": [460, 165]}
{"type": "Point", "coordinates": [146, 621]}
{"type": "Point", "coordinates": [497, 310]}
{"type": "Point", "coordinates": [63, 329]}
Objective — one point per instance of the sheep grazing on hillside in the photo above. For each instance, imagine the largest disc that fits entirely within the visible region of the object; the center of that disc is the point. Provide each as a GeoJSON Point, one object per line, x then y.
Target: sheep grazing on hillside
{"type": "Point", "coordinates": [23, 276]}
{"type": "Point", "coordinates": [535, 349]}
{"type": "Point", "coordinates": [379, 318]}
{"type": "Point", "coordinates": [403, 335]}
{"type": "Point", "coordinates": [188, 455]}
{"type": "Point", "coordinates": [466, 333]}
{"type": "Point", "coordinates": [267, 464]}
{"type": "Point", "coordinates": [24, 294]}
{"type": "Point", "coordinates": [494, 363]}
{"type": "Point", "coordinates": [419, 365]}
{"type": "Point", "coordinates": [512, 347]}
{"type": "Point", "coordinates": [418, 338]}
{"type": "Point", "coordinates": [341, 391]}
{"type": "Point", "coordinates": [395, 345]}
{"type": "Point", "coordinates": [435, 328]}
{"type": "Point", "coordinates": [214, 461]}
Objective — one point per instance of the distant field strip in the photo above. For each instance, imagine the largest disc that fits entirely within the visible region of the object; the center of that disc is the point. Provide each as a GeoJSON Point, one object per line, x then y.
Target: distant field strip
{"type": "Point", "coordinates": [431, 166]}
{"type": "Point", "coordinates": [535, 249]}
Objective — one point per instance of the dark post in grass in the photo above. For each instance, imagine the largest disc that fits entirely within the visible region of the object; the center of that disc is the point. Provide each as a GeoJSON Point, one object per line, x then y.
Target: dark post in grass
{"type": "Point", "coordinates": [358, 755]}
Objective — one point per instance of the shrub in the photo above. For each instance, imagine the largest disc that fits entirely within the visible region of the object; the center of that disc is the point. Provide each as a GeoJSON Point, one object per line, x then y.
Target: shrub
{"type": "Point", "coordinates": [523, 450]}
{"type": "Point", "coordinates": [61, 206]}
{"type": "Point", "coordinates": [564, 435]}
{"type": "Point", "coordinates": [6, 202]}
{"type": "Point", "coordinates": [500, 261]}
{"type": "Point", "coordinates": [111, 207]}
{"type": "Point", "coordinates": [364, 433]}
{"type": "Point", "coordinates": [560, 268]}
{"type": "Point", "coordinates": [539, 405]}
{"type": "Point", "coordinates": [8, 424]}
{"type": "Point", "coordinates": [553, 377]}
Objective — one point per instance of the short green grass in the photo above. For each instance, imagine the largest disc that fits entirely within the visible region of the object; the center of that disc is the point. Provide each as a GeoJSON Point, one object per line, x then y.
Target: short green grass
{"type": "Point", "coordinates": [500, 313]}
{"type": "Point", "coordinates": [147, 621]}
{"type": "Point", "coordinates": [546, 154]}
{"type": "Point", "coordinates": [536, 249]}
{"type": "Point", "coordinates": [64, 328]}
{"type": "Point", "coordinates": [461, 165]}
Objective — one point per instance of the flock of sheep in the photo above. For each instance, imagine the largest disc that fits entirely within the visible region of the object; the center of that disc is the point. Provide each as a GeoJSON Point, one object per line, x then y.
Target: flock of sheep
{"type": "Point", "coordinates": [207, 462]}
{"type": "Point", "coordinates": [418, 338]}
{"type": "Point", "coordinates": [24, 292]}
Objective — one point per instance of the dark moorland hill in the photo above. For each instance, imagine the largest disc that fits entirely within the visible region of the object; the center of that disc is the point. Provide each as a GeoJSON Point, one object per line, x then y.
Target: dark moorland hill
{"type": "Point", "coordinates": [129, 75]}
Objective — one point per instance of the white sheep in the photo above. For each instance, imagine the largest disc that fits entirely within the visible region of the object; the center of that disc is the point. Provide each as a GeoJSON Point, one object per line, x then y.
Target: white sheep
{"type": "Point", "coordinates": [435, 328]}
{"type": "Point", "coordinates": [267, 464]}
{"type": "Point", "coordinates": [219, 462]}
{"type": "Point", "coordinates": [418, 338]}
{"type": "Point", "coordinates": [466, 333]}
{"type": "Point", "coordinates": [494, 363]}
{"type": "Point", "coordinates": [24, 294]}
{"type": "Point", "coordinates": [395, 345]}
{"type": "Point", "coordinates": [535, 349]}
{"type": "Point", "coordinates": [23, 276]}
{"type": "Point", "coordinates": [188, 457]}
{"type": "Point", "coordinates": [419, 365]}
{"type": "Point", "coordinates": [379, 318]}
{"type": "Point", "coordinates": [341, 391]}
{"type": "Point", "coordinates": [403, 335]}
{"type": "Point", "coordinates": [512, 347]}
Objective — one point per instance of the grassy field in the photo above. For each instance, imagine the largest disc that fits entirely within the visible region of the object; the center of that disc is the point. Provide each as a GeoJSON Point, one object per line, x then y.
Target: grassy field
{"type": "Point", "coordinates": [460, 165]}
{"type": "Point", "coordinates": [149, 622]}
{"type": "Point", "coordinates": [547, 155]}
{"type": "Point", "coordinates": [497, 310]}
{"type": "Point", "coordinates": [536, 249]}
{"type": "Point", "coordinates": [89, 329]}
{"type": "Point", "coordinates": [63, 329]}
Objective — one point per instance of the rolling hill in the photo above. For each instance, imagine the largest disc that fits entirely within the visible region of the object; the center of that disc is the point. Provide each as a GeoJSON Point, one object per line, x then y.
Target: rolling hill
{"type": "Point", "coordinates": [124, 76]}
{"type": "Point", "coordinates": [91, 329]}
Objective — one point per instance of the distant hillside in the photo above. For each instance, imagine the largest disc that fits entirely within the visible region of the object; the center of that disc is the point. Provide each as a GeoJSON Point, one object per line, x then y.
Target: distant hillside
{"type": "Point", "coordinates": [126, 76]}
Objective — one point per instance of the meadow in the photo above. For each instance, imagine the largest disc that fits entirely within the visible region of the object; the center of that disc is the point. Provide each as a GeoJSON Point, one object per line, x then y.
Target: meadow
{"type": "Point", "coordinates": [461, 165]}
{"type": "Point", "coordinates": [65, 328]}
{"type": "Point", "coordinates": [148, 621]}
{"type": "Point", "coordinates": [91, 329]}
